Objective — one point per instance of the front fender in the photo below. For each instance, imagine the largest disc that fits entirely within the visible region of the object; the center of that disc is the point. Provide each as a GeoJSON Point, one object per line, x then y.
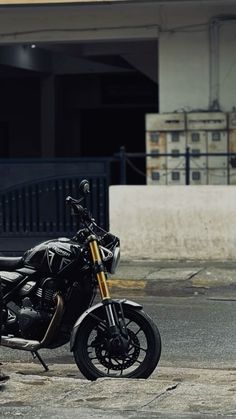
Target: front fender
{"type": "Point", "coordinates": [93, 309]}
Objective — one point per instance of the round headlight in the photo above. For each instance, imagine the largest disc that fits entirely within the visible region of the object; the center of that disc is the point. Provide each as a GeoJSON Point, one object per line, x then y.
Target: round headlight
{"type": "Point", "coordinates": [115, 260]}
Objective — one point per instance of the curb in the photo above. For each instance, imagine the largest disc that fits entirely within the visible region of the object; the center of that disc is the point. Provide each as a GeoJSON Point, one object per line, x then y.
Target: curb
{"type": "Point", "coordinates": [175, 288]}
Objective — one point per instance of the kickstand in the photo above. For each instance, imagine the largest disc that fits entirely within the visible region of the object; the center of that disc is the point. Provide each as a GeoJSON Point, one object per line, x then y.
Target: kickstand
{"type": "Point", "coordinates": [35, 354]}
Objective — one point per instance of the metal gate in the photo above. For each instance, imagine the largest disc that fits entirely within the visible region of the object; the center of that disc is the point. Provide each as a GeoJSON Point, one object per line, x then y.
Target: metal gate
{"type": "Point", "coordinates": [32, 199]}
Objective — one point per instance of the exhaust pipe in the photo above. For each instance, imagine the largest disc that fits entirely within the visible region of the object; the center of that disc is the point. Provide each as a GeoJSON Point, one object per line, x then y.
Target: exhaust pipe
{"type": "Point", "coordinates": [34, 345]}
{"type": "Point", "coordinates": [18, 343]}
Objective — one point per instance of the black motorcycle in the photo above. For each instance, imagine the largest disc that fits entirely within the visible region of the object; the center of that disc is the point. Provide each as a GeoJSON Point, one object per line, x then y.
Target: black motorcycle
{"type": "Point", "coordinates": [48, 296]}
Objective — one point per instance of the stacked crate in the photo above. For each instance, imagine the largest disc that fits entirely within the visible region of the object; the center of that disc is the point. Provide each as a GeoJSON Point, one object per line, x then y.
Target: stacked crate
{"type": "Point", "coordinates": [196, 142]}
{"type": "Point", "coordinates": [207, 133]}
{"type": "Point", "coordinates": [176, 145]}
{"type": "Point", "coordinates": [165, 133]}
{"type": "Point", "coordinates": [201, 132]}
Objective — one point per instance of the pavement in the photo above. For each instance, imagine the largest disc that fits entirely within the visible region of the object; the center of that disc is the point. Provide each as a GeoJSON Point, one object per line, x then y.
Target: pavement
{"type": "Point", "coordinates": [169, 392]}
{"type": "Point", "coordinates": [175, 278]}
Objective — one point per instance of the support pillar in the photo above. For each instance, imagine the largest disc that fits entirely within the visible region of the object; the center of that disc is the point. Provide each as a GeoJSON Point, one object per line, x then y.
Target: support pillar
{"type": "Point", "coordinates": [48, 116]}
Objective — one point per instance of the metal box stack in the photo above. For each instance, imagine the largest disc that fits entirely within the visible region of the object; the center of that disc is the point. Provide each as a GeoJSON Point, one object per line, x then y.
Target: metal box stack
{"type": "Point", "coordinates": [165, 133]}
{"type": "Point", "coordinates": [208, 132]}
{"type": "Point", "coordinates": [201, 132]}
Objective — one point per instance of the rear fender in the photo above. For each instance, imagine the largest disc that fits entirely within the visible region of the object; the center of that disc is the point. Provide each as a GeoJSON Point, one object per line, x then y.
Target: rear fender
{"type": "Point", "coordinates": [93, 310]}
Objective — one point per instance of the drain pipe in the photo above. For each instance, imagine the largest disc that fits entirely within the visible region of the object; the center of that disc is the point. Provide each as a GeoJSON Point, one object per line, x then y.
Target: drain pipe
{"type": "Point", "coordinates": [214, 44]}
{"type": "Point", "coordinates": [214, 26]}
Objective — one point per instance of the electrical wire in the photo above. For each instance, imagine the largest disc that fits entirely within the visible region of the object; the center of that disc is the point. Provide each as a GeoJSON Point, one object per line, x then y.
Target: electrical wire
{"type": "Point", "coordinates": [141, 173]}
{"type": "Point", "coordinates": [206, 168]}
{"type": "Point", "coordinates": [89, 29]}
{"type": "Point", "coordinates": [135, 168]}
{"type": "Point", "coordinates": [168, 172]}
{"type": "Point", "coordinates": [187, 28]}
{"type": "Point", "coordinates": [199, 27]}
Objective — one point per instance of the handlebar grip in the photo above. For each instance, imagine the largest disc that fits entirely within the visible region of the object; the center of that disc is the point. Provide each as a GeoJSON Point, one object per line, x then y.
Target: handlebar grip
{"type": "Point", "coordinates": [68, 200]}
{"type": "Point", "coordinates": [71, 201]}
{"type": "Point", "coordinates": [75, 206]}
{"type": "Point", "coordinates": [78, 209]}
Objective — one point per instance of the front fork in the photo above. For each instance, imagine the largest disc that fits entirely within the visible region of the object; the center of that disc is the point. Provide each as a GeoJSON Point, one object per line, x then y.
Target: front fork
{"type": "Point", "coordinates": [102, 284]}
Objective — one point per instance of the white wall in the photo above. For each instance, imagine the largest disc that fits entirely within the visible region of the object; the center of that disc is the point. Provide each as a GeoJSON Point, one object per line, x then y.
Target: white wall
{"type": "Point", "coordinates": [173, 222]}
{"type": "Point", "coordinates": [183, 71]}
{"type": "Point", "coordinates": [228, 65]}
{"type": "Point", "coordinates": [184, 57]}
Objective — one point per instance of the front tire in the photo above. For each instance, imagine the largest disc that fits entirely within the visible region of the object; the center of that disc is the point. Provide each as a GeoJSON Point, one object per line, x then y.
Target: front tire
{"type": "Point", "coordinates": [92, 349]}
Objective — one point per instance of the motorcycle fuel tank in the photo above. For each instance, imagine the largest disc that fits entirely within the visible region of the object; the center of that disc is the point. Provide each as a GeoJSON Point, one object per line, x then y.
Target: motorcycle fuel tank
{"type": "Point", "coordinates": [53, 257]}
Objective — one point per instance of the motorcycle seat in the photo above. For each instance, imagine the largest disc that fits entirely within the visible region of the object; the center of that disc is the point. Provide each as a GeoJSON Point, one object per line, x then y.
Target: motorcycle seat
{"type": "Point", "coordinates": [11, 263]}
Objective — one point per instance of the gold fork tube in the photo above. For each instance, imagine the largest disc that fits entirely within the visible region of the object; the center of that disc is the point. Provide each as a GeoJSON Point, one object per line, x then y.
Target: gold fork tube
{"type": "Point", "coordinates": [101, 277]}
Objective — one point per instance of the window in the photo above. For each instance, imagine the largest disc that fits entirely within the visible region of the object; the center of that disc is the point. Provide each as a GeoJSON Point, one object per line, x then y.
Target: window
{"type": "Point", "coordinates": [175, 137]}
{"type": "Point", "coordinates": [215, 136]}
{"type": "Point", "coordinates": [154, 137]}
{"type": "Point", "coordinates": [196, 175]}
{"type": "Point", "coordinates": [175, 176]}
{"type": "Point", "coordinates": [195, 137]}
{"type": "Point", "coordinates": [155, 175]}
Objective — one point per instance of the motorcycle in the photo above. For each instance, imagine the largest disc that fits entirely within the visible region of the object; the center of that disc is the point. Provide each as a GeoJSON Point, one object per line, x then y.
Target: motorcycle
{"type": "Point", "coordinates": [48, 297]}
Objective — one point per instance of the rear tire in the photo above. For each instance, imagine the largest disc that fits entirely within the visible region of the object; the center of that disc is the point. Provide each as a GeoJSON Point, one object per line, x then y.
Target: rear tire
{"type": "Point", "coordinates": [94, 358]}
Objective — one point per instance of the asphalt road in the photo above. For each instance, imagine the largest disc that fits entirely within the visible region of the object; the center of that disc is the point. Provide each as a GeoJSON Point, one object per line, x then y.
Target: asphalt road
{"type": "Point", "coordinates": [195, 331]}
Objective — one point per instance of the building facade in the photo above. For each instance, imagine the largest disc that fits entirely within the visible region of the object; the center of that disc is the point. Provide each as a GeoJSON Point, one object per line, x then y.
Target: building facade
{"type": "Point", "coordinates": [77, 79]}
{"type": "Point", "coordinates": [105, 64]}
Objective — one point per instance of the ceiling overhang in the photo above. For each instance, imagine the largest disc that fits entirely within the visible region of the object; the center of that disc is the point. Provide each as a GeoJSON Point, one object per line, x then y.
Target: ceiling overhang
{"type": "Point", "coordinates": [46, 2]}
{"type": "Point", "coordinates": [97, 2]}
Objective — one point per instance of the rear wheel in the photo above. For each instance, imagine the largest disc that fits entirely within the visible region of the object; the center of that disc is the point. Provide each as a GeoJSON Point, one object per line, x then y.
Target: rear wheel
{"type": "Point", "coordinates": [134, 354]}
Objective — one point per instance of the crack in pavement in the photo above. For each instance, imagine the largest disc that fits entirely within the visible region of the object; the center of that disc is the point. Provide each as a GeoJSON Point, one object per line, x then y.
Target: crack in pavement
{"type": "Point", "coordinates": [158, 396]}
{"type": "Point", "coordinates": [195, 273]}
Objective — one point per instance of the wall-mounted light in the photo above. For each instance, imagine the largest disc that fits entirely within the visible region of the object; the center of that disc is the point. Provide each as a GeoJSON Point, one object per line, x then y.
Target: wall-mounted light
{"type": "Point", "coordinates": [29, 46]}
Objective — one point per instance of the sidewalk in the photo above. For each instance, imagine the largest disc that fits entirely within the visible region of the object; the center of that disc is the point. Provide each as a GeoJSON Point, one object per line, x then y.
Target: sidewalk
{"type": "Point", "coordinates": [171, 392]}
{"type": "Point", "coordinates": [176, 278]}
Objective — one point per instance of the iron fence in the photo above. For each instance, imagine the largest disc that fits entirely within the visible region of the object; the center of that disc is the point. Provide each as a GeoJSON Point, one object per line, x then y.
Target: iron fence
{"type": "Point", "coordinates": [125, 160]}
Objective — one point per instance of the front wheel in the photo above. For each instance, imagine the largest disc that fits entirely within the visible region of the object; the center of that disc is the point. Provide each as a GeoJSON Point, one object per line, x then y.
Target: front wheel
{"type": "Point", "coordinates": [98, 354]}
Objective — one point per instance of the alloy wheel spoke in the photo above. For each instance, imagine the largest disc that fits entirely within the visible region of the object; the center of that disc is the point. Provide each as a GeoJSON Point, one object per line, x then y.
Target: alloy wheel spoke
{"type": "Point", "coordinates": [138, 331]}
{"type": "Point", "coordinates": [138, 347]}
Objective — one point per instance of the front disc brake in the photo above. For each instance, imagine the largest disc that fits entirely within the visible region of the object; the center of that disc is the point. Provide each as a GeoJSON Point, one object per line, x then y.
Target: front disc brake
{"type": "Point", "coordinates": [119, 362]}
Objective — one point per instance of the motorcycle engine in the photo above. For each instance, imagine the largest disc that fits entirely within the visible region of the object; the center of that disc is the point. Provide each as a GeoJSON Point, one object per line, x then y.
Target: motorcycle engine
{"type": "Point", "coordinates": [30, 318]}
{"type": "Point", "coordinates": [32, 323]}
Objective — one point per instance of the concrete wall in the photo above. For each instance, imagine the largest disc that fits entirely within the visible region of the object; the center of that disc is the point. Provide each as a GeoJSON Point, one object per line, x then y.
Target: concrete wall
{"type": "Point", "coordinates": [172, 222]}
{"type": "Point", "coordinates": [184, 57]}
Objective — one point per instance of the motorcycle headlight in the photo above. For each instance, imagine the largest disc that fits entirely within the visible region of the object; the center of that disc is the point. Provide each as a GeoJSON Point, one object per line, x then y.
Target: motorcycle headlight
{"type": "Point", "coordinates": [110, 252]}
{"type": "Point", "coordinates": [115, 260]}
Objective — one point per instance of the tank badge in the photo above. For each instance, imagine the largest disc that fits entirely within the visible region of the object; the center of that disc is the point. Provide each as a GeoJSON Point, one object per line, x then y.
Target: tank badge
{"type": "Point", "coordinates": [57, 263]}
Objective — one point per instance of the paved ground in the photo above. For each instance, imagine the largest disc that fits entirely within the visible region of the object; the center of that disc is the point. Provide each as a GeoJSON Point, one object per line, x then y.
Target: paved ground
{"type": "Point", "coordinates": [176, 278]}
{"type": "Point", "coordinates": [178, 392]}
{"type": "Point", "coordinates": [170, 392]}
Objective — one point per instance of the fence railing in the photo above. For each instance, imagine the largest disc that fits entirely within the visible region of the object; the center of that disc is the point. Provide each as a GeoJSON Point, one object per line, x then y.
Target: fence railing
{"type": "Point", "coordinates": [33, 193]}
{"type": "Point", "coordinates": [125, 159]}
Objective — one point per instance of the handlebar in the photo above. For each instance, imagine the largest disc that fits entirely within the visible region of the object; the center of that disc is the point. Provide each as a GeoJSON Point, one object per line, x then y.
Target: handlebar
{"type": "Point", "coordinates": [85, 217]}
{"type": "Point", "coordinates": [78, 209]}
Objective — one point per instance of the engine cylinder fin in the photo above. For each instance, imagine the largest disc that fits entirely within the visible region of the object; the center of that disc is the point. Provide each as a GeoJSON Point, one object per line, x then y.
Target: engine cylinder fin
{"type": "Point", "coordinates": [48, 294]}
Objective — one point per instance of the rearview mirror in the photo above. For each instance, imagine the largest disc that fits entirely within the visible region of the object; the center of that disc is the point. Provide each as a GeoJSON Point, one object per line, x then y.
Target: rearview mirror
{"type": "Point", "coordinates": [84, 187]}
